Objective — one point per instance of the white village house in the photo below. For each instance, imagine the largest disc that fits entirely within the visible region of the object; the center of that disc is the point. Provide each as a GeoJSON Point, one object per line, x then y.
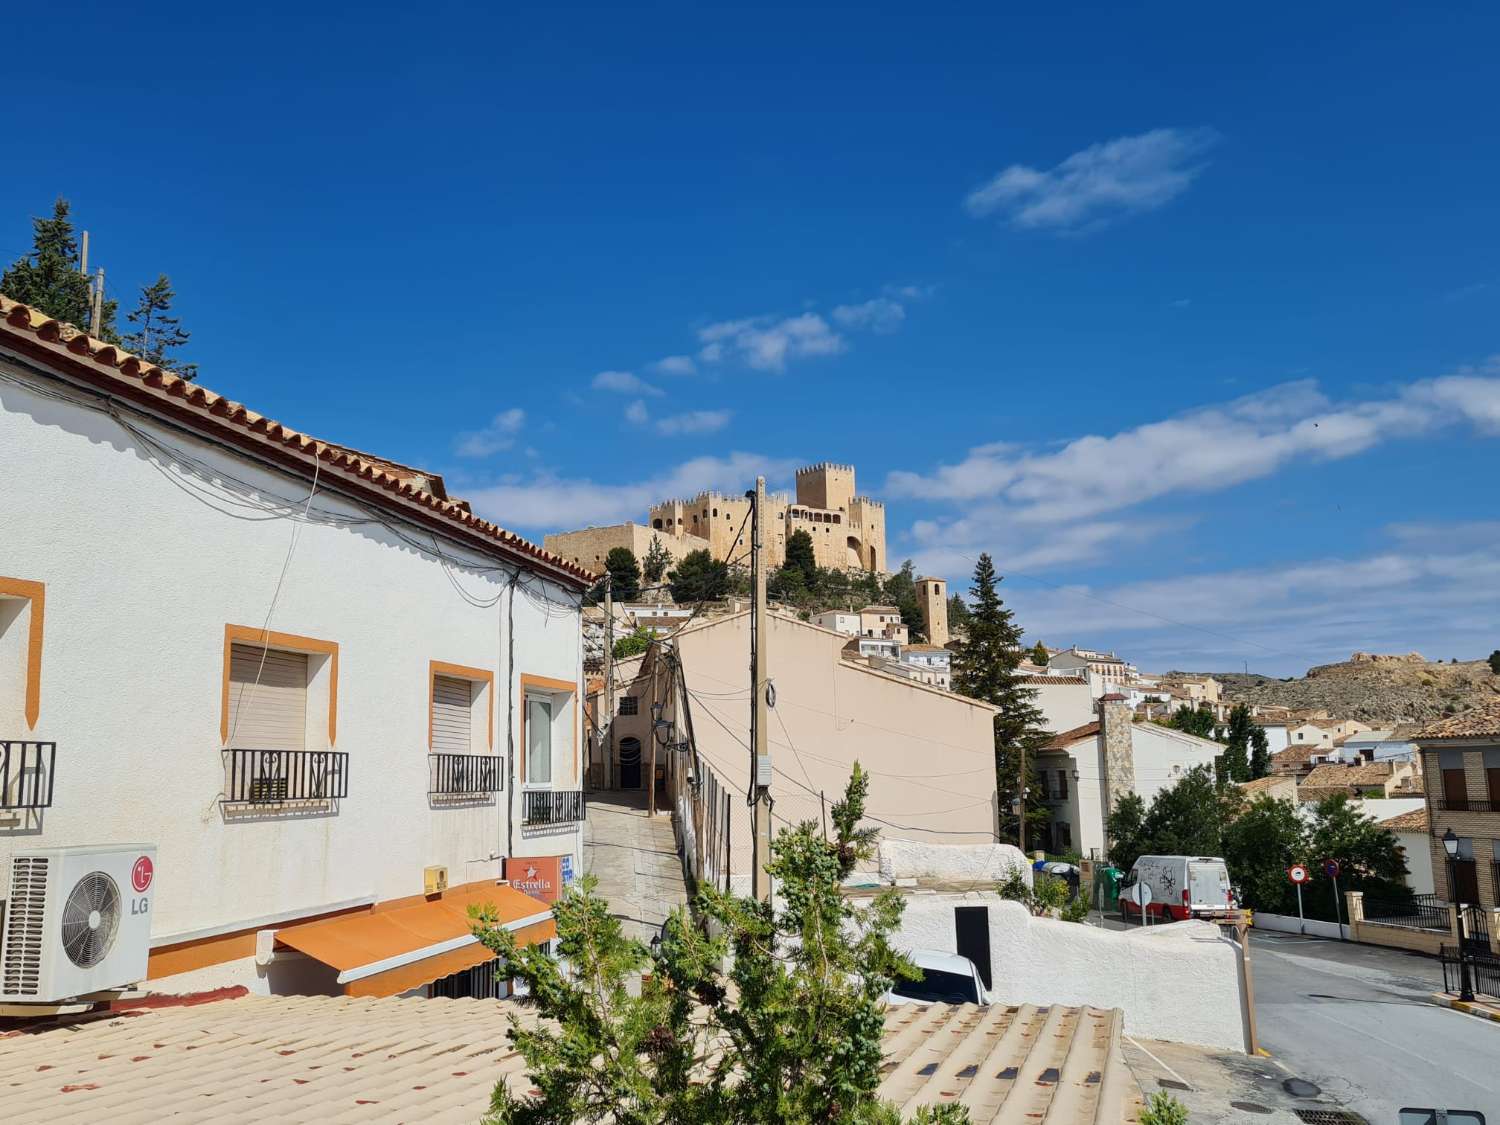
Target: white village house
{"type": "Point", "coordinates": [319, 686]}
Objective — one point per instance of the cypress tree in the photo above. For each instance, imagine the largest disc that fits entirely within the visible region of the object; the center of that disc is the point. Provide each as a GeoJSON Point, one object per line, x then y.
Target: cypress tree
{"type": "Point", "coordinates": [800, 557]}
{"type": "Point", "coordinates": [987, 669]}
{"type": "Point", "coordinates": [654, 565]}
{"type": "Point", "coordinates": [158, 334]}
{"type": "Point", "coordinates": [1260, 753]}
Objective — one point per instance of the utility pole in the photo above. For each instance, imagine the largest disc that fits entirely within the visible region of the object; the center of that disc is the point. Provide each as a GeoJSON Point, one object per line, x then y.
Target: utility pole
{"type": "Point", "coordinates": [760, 752]}
{"type": "Point", "coordinates": [98, 311]}
{"type": "Point", "coordinates": [1021, 803]}
{"type": "Point", "coordinates": [83, 260]}
{"type": "Point", "coordinates": [607, 727]}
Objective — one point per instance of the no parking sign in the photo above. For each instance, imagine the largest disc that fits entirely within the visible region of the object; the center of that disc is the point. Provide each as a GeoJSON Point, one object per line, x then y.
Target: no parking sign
{"type": "Point", "coordinates": [1297, 873]}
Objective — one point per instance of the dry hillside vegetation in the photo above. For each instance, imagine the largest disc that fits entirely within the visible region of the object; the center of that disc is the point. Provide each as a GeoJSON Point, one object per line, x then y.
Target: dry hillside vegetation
{"type": "Point", "coordinates": [1374, 689]}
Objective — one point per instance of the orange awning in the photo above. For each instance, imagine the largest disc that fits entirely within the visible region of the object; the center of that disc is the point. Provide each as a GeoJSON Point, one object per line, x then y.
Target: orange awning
{"type": "Point", "coordinates": [389, 951]}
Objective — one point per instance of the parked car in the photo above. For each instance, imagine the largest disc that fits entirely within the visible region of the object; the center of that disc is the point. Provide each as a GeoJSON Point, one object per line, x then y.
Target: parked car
{"type": "Point", "coordinates": [946, 978]}
{"type": "Point", "coordinates": [1182, 886]}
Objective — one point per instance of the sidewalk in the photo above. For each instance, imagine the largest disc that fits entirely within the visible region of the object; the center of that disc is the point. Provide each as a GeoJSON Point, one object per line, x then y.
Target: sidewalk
{"type": "Point", "coordinates": [634, 857]}
{"type": "Point", "coordinates": [1486, 1009]}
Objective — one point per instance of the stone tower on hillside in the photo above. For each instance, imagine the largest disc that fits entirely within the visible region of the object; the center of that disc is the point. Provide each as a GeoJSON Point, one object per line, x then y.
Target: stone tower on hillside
{"type": "Point", "coordinates": [932, 594]}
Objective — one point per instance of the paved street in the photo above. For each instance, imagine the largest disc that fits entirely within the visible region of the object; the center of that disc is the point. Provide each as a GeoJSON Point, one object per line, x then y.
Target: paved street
{"type": "Point", "coordinates": [1358, 1023]}
{"type": "Point", "coordinates": [634, 857]}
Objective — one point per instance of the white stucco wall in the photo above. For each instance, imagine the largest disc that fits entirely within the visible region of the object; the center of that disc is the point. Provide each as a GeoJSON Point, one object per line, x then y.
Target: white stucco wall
{"type": "Point", "coordinates": [145, 565]}
{"type": "Point", "coordinates": [1178, 982]}
{"type": "Point", "coordinates": [1163, 755]}
{"type": "Point", "coordinates": [1063, 705]}
{"type": "Point", "coordinates": [911, 859]}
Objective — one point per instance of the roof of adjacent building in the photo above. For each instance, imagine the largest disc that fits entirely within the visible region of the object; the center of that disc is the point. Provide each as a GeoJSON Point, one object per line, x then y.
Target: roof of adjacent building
{"type": "Point", "coordinates": [1332, 775]}
{"type": "Point", "coordinates": [1478, 722]}
{"type": "Point", "coordinates": [1264, 784]}
{"type": "Point", "coordinates": [117, 371]}
{"type": "Point", "coordinates": [315, 1058]}
{"type": "Point", "coordinates": [880, 609]}
{"type": "Point", "coordinates": [1297, 754]}
{"type": "Point", "coordinates": [921, 647]}
{"type": "Point", "coordinates": [1413, 821]}
{"type": "Point", "coordinates": [1044, 679]}
{"type": "Point", "coordinates": [1064, 739]}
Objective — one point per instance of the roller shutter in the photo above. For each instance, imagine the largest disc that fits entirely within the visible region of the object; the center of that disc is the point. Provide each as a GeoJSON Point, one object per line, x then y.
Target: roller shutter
{"type": "Point", "coordinates": [267, 699]}
{"type": "Point", "coordinates": [452, 715]}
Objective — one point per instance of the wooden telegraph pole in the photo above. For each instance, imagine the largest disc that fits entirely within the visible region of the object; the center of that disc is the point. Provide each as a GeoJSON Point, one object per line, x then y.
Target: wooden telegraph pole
{"type": "Point", "coordinates": [760, 753]}
{"type": "Point", "coordinates": [607, 726]}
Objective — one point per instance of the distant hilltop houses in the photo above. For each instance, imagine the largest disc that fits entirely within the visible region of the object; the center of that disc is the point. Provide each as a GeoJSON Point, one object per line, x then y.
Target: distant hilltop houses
{"type": "Point", "coordinates": [847, 529]}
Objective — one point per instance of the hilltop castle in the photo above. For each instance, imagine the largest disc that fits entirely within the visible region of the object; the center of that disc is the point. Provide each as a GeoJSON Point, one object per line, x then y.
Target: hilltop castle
{"type": "Point", "coordinates": [847, 530]}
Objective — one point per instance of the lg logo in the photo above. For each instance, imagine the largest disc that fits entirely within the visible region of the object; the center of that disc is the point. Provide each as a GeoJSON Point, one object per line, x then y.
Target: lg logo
{"type": "Point", "coordinates": [140, 874]}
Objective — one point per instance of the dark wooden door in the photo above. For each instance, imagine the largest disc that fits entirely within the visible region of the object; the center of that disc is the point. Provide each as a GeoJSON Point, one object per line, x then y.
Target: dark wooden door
{"type": "Point", "coordinates": [630, 763]}
{"type": "Point", "coordinates": [1465, 881]}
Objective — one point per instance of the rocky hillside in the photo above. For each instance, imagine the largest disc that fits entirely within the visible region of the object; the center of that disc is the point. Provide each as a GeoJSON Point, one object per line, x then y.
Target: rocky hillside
{"type": "Point", "coordinates": [1374, 689]}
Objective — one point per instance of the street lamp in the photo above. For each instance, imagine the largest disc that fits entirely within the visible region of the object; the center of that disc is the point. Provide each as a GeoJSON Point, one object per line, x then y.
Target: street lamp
{"type": "Point", "coordinates": [1450, 845]}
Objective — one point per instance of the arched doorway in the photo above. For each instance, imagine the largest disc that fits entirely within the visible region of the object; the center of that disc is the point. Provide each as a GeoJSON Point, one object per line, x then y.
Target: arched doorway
{"type": "Point", "coordinates": [854, 554]}
{"type": "Point", "coordinates": [630, 763]}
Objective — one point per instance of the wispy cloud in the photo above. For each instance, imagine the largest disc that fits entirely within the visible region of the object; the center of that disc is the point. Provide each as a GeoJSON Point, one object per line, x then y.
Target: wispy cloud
{"type": "Point", "coordinates": [499, 435]}
{"type": "Point", "coordinates": [675, 365]}
{"type": "Point", "coordinates": [767, 343]}
{"type": "Point", "coordinates": [1203, 450]}
{"type": "Point", "coordinates": [624, 382]}
{"type": "Point", "coordinates": [693, 422]}
{"type": "Point", "coordinates": [1098, 184]}
{"type": "Point", "coordinates": [549, 503]}
{"type": "Point", "coordinates": [880, 315]}
{"type": "Point", "coordinates": [637, 414]}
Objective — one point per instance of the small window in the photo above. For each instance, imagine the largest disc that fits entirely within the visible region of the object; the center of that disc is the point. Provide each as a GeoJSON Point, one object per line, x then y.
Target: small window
{"type": "Point", "coordinates": [630, 705]}
{"type": "Point", "coordinates": [267, 698]}
{"type": "Point", "coordinates": [452, 715]}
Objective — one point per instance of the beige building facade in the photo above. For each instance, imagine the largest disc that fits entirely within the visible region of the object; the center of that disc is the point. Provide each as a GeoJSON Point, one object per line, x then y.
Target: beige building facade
{"type": "Point", "coordinates": [589, 546]}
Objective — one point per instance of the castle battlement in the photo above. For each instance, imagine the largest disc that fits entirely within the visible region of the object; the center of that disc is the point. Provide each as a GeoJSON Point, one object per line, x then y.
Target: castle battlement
{"type": "Point", "coordinates": [825, 467]}
{"type": "Point", "coordinates": [869, 502]}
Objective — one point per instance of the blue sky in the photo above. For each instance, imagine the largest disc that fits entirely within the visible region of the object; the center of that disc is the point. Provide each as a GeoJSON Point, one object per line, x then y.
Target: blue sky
{"type": "Point", "coordinates": [1188, 318]}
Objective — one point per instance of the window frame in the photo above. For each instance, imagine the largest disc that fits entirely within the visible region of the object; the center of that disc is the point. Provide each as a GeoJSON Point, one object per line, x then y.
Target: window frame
{"type": "Point", "coordinates": [568, 691]}
{"type": "Point", "coordinates": [35, 595]}
{"type": "Point", "coordinates": [483, 677]}
{"type": "Point", "coordinates": [287, 642]}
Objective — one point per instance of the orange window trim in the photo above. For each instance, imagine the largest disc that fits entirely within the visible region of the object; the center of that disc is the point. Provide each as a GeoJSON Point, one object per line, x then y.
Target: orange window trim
{"type": "Point", "coordinates": [36, 594]}
{"type": "Point", "coordinates": [437, 668]}
{"type": "Point", "coordinates": [249, 634]}
{"type": "Point", "coordinates": [550, 686]}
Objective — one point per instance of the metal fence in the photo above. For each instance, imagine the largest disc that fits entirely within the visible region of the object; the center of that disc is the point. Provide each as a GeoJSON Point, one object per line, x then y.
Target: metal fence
{"type": "Point", "coordinates": [1484, 971]}
{"type": "Point", "coordinates": [1419, 912]}
{"type": "Point", "coordinates": [552, 806]}
{"type": "Point", "coordinates": [273, 777]}
{"type": "Point", "coordinates": [26, 774]}
{"type": "Point", "coordinates": [463, 775]}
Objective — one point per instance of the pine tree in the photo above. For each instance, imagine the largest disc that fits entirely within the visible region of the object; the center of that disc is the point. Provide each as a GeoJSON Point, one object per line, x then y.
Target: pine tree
{"type": "Point", "coordinates": [654, 565]}
{"type": "Point", "coordinates": [158, 334]}
{"type": "Point", "coordinates": [800, 557]}
{"type": "Point", "coordinates": [1039, 655]}
{"type": "Point", "coordinates": [958, 612]}
{"type": "Point", "coordinates": [699, 578]}
{"type": "Point", "coordinates": [900, 590]}
{"type": "Point", "coordinates": [625, 574]}
{"type": "Point", "coordinates": [48, 277]}
{"type": "Point", "coordinates": [986, 669]}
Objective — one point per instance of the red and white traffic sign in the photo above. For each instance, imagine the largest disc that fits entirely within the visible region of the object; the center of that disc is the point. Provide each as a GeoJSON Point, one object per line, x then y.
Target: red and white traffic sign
{"type": "Point", "coordinates": [1331, 868]}
{"type": "Point", "coordinates": [1297, 873]}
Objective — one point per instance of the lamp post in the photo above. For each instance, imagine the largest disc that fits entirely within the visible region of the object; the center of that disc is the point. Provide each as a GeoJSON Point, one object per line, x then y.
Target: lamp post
{"type": "Point", "coordinates": [1450, 845]}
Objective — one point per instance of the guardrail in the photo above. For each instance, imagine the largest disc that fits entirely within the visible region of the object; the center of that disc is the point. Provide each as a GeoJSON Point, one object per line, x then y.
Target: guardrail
{"type": "Point", "coordinates": [1420, 912]}
{"type": "Point", "coordinates": [552, 806]}
{"type": "Point", "coordinates": [274, 777]}
{"type": "Point", "coordinates": [26, 774]}
{"type": "Point", "coordinates": [463, 775]}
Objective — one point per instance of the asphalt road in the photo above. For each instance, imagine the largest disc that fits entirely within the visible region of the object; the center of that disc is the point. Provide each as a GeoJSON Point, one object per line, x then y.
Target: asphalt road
{"type": "Point", "coordinates": [1358, 1022]}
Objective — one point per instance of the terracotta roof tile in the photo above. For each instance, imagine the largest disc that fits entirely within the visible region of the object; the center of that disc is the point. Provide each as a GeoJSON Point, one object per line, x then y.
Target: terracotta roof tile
{"type": "Point", "coordinates": [1479, 722]}
{"type": "Point", "coordinates": [129, 372]}
{"type": "Point", "coordinates": [1262, 784]}
{"type": "Point", "coordinates": [1075, 680]}
{"type": "Point", "coordinates": [1414, 821]}
{"type": "Point", "coordinates": [1366, 773]}
{"type": "Point", "coordinates": [1065, 739]}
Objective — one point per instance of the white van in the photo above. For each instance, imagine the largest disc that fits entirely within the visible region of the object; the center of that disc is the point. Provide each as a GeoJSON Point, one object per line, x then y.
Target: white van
{"type": "Point", "coordinates": [1182, 886]}
{"type": "Point", "coordinates": [947, 978]}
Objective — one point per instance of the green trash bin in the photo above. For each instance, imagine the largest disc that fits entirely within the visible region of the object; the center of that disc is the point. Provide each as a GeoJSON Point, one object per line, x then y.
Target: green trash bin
{"type": "Point", "coordinates": [1107, 888]}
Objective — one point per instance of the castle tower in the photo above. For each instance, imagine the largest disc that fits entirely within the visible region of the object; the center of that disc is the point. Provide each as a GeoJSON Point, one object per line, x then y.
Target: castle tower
{"type": "Point", "coordinates": [932, 593]}
{"type": "Point", "coordinates": [826, 486]}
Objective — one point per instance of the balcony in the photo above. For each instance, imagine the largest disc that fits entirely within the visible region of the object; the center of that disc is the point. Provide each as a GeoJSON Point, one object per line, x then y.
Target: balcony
{"type": "Point", "coordinates": [551, 806]}
{"type": "Point", "coordinates": [463, 775]}
{"type": "Point", "coordinates": [26, 774]}
{"type": "Point", "coordinates": [1466, 804]}
{"type": "Point", "coordinates": [276, 777]}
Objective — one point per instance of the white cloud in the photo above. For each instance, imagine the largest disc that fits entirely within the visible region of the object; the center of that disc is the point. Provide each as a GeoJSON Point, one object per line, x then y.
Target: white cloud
{"type": "Point", "coordinates": [637, 414]}
{"type": "Point", "coordinates": [1439, 601]}
{"type": "Point", "coordinates": [1099, 183]}
{"type": "Point", "coordinates": [1201, 451]}
{"type": "Point", "coordinates": [550, 503]}
{"type": "Point", "coordinates": [675, 365]}
{"type": "Point", "coordinates": [500, 434]}
{"type": "Point", "coordinates": [693, 422]}
{"type": "Point", "coordinates": [767, 343]}
{"type": "Point", "coordinates": [880, 315]}
{"type": "Point", "coordinates": [625, 382]}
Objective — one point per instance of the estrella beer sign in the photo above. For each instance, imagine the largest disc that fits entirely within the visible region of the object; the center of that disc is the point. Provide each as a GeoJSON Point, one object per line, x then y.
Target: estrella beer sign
{"type": "Point", "coordinates": [540, 876]}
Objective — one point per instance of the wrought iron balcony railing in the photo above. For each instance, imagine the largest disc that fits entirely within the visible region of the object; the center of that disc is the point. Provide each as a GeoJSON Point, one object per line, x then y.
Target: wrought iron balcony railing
{"type": "Point", "coordinates": [552, 806]}
{"type": "Point", "coordinates": [463, 775]}
{"type": "Point", "coordinates": [1463, 804]}
{"type": "Point", "coordinates": [273, 777]}
{"type": "Point", "coordinates": [26, 774]}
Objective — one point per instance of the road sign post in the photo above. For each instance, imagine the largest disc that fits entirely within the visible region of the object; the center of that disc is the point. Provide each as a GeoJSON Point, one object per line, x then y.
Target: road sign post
{"type": "Point", "coordinates": [1140, 894]}
{"type": "Point", "coordinates": [1331, 869]}
{"type": "Point", "coordinates": [1298, 875]}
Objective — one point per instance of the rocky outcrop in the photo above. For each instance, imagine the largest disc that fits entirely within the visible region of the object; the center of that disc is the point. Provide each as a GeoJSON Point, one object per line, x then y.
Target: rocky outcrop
{"type": "Point", "coordinates": [1374, 688]}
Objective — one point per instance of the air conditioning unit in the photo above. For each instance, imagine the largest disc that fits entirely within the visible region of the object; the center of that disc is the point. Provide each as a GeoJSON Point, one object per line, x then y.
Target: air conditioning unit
{"type": "Point", "coordinates": [77, 921]}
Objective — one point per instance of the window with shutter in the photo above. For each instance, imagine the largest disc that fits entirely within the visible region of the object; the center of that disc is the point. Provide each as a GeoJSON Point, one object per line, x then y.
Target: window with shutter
{"type": "Point", "coordinates": [267, 699]}
{"type": "Point", "coordinates": [452, 715]}
{"type": "Point", "coordinates": [538, 740]}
